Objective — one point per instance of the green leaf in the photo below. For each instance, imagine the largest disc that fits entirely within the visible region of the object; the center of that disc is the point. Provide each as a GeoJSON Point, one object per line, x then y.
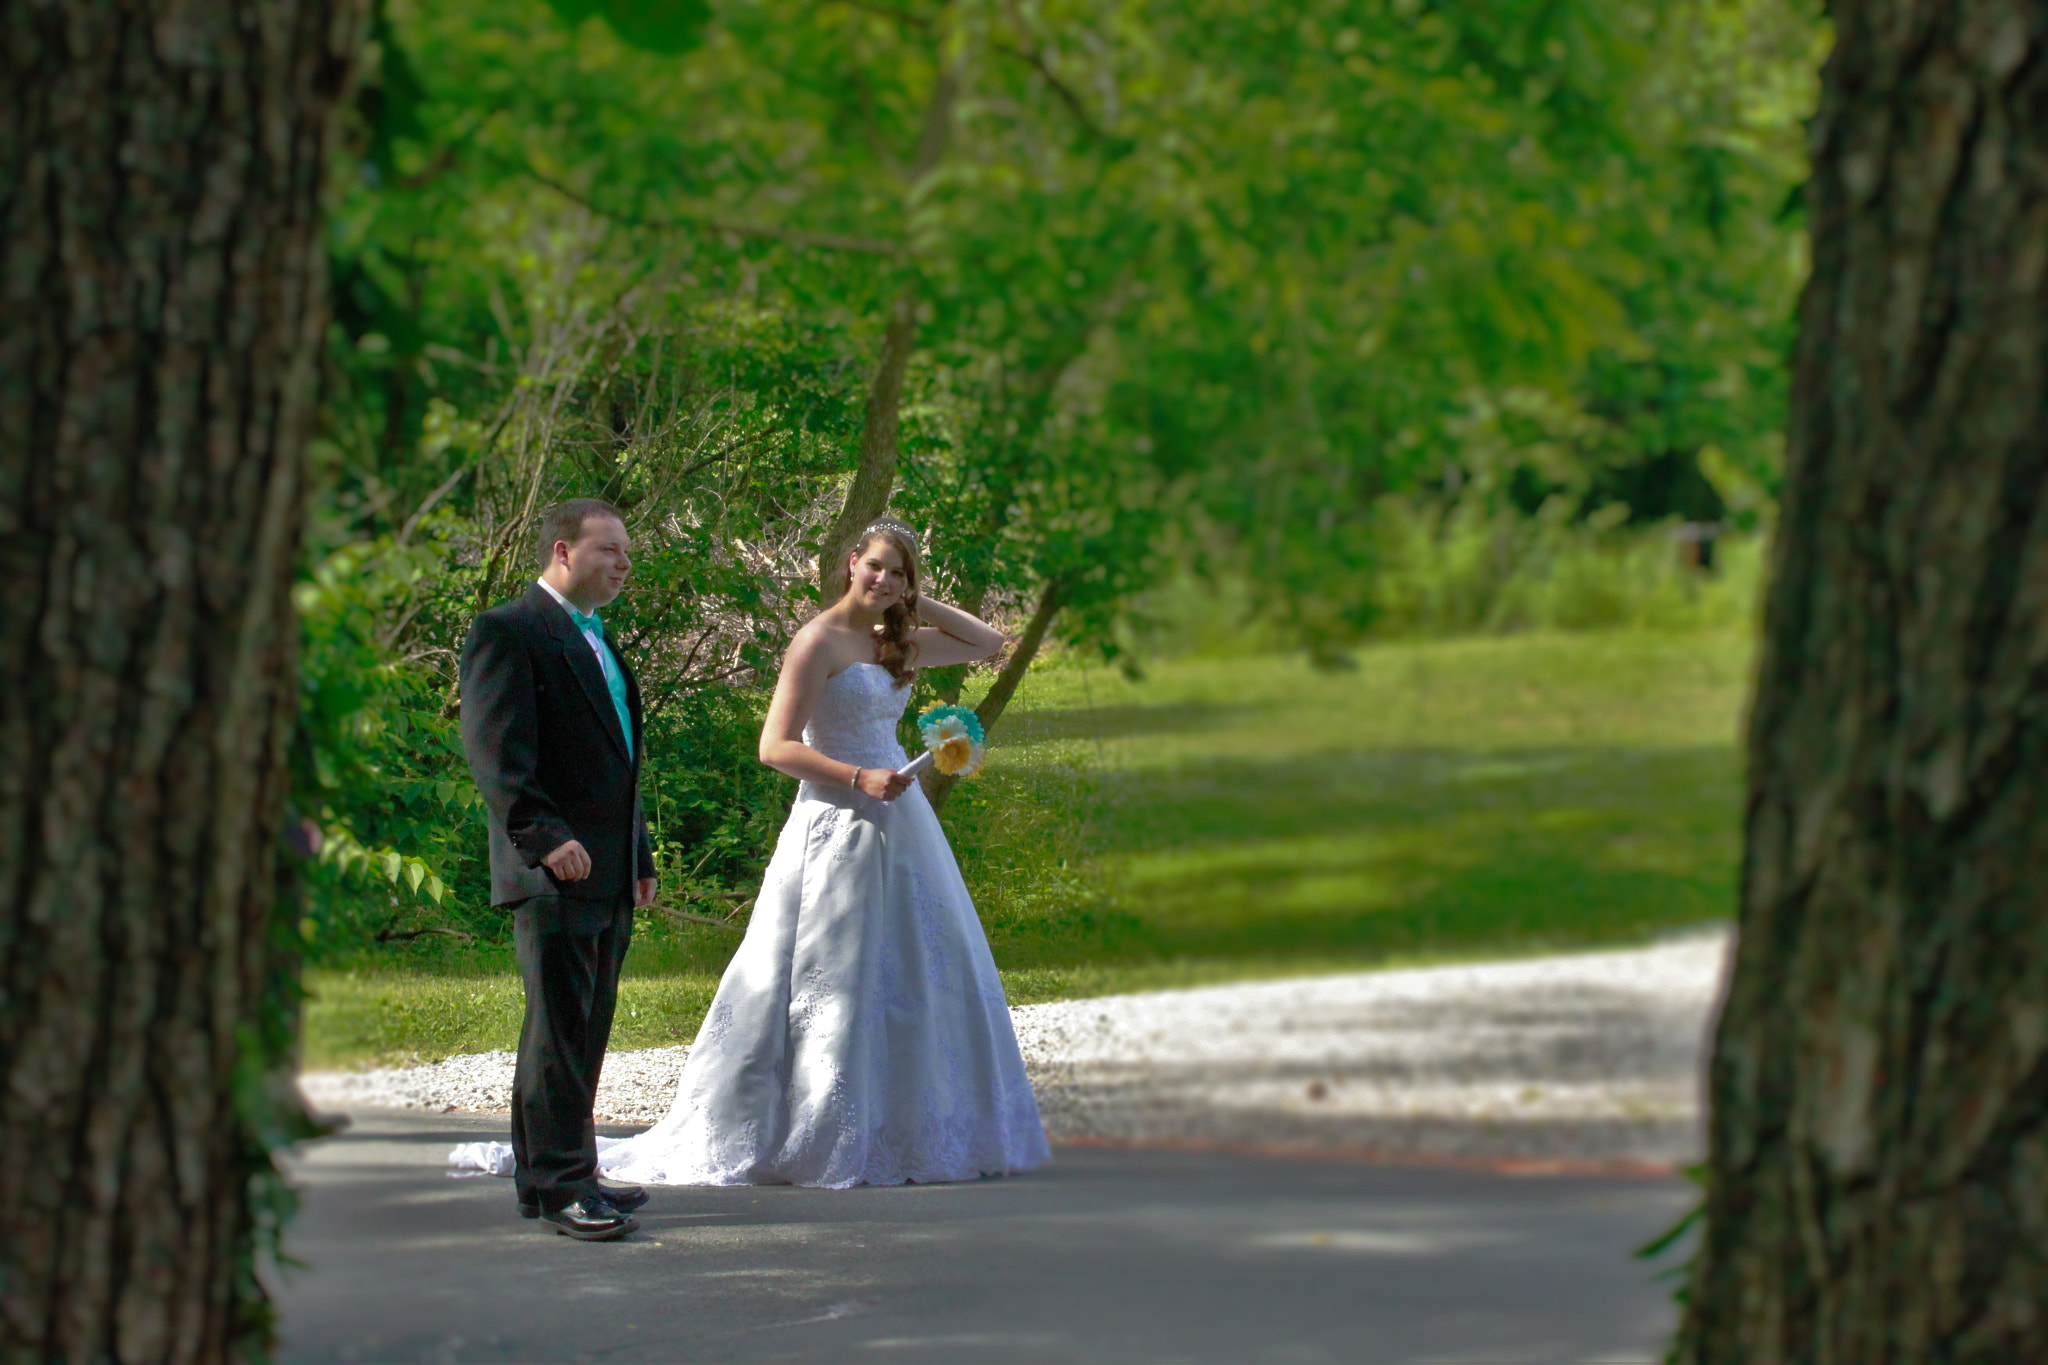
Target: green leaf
{"type": "Point", "coordinates": [669, 27]}
{"type": "Point", "coordinates": [415, 873]}
{"type": "Point", "coordinates": [391, 863]}
{"type": "Point", "coordinates": [1664, 1240]}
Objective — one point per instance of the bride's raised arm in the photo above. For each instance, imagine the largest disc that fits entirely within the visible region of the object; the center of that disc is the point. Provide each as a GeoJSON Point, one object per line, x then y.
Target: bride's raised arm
{"type": "Point", "coordinates": [950, 636]}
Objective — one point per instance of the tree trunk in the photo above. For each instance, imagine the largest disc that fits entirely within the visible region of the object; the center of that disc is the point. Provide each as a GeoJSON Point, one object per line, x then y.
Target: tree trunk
{"type": "Point", "coordinates": [937, 785]}
{"type": "Point", "coordinates": [1878, 1162]}
{"type": "Point", "coordinates": [163, 267]}
{"type": "Point", "coordinates": [875, 476]}
{"type": "Point", "coordinates": [1003, 475]}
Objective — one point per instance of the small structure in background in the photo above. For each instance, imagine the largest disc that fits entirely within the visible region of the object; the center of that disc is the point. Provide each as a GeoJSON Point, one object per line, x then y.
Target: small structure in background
{"type": "Point", "coordinates": [1696, 543]}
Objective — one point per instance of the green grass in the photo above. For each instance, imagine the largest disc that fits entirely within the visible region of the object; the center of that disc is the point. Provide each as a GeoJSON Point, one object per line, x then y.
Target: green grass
{"type": "Point", "coordinates": [1227, 818]}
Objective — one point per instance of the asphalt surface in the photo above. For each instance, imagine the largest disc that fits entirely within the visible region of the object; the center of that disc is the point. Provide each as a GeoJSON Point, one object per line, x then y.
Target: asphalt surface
{"type": "Point", "coordinates": [1107, 1255]}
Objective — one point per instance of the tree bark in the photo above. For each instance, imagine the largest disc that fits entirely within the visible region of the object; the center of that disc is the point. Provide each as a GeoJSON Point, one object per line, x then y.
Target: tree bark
{"type": "Point", "coordinates": [1002, 475]}
{"type": "Point", "coordinates": [874, 477]}
{"type": "Point", "coordinates": [937, 785]}
{"type": "Point", "coordinates": [1878, 1161]}
{"type": "Point", "coordinates": [162, 268]}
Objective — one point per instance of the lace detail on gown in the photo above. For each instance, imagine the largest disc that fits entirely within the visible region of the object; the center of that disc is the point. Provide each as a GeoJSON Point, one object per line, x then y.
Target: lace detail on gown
{"type": "Point", "coordinates": [860, 1034]}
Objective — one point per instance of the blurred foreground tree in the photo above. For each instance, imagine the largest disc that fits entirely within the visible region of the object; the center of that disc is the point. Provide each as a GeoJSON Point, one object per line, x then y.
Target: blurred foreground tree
{"type": "Point", "coordinates": [165, 273]}
{"type": "Point", "coordinates": [1878, 1179]}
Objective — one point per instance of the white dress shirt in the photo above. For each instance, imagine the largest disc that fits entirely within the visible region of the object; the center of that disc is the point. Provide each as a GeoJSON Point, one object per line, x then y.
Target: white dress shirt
{"type": "Point", "coordinates": [597, 646]}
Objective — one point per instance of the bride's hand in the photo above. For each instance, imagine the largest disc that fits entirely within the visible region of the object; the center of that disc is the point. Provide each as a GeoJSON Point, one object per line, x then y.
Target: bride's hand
{"type": "Point", "coordinates": [884, 784]}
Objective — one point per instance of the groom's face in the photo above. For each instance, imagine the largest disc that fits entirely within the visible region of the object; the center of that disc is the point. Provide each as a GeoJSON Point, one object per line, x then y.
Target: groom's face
{"type": "Point", "coordinates": [596, 563]}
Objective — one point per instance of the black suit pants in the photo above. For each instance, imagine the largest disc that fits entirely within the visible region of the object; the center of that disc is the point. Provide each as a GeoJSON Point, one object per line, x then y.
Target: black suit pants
{"type": "Point", "coordinates": [570, 953]}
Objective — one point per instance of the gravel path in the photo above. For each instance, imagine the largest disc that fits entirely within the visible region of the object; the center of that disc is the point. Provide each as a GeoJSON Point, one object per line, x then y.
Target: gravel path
{"type": "Point", "coordinates": [1592, 1058]}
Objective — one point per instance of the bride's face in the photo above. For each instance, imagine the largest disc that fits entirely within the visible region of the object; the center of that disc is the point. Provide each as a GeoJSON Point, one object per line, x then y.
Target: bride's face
{"type": "Point", "coordinates": [875, 576]}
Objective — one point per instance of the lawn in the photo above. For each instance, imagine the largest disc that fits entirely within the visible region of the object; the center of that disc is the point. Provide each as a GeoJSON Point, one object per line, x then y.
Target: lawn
{"type": "Point", "coordinates": [1224, 818]}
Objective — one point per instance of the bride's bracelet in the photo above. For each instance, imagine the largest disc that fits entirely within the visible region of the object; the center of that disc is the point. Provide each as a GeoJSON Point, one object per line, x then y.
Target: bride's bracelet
{"type": "Point", "coordinates": [854, 781]}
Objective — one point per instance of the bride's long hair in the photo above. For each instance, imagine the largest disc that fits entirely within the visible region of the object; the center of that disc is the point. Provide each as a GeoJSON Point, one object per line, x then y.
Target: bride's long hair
{"type": "Point", "coordinates": [895, 649]}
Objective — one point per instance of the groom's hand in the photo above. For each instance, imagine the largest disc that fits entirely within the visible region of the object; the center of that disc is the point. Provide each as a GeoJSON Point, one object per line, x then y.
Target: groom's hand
{"type": "Point", "coordinates": [643, 892]}
{"type": "Point", "coordinates": [569, 863]}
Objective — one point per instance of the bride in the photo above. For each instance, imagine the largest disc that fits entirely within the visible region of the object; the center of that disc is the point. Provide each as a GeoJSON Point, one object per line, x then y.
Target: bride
{"type": "Point", "coordinates": [860, 1034]}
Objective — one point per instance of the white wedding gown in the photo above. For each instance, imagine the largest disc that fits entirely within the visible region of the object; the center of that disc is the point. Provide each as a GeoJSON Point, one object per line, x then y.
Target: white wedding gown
{"type": "Point", "coordinates": [860, 1035]}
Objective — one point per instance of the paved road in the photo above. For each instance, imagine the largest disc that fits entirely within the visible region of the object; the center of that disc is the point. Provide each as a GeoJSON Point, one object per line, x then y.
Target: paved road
{"type": "Point", "coordinates": [1105, 1256]}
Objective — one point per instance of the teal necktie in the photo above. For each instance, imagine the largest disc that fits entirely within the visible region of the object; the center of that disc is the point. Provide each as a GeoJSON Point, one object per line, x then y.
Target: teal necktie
{"type": "Point", "coordinates": [614, 678]}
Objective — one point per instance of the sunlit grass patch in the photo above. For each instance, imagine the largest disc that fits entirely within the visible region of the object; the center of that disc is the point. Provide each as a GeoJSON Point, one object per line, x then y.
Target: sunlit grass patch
{"type": "Point", "coordinates": [395, 1019]}
{"type": "Point", "coordinates": [1440, 801]}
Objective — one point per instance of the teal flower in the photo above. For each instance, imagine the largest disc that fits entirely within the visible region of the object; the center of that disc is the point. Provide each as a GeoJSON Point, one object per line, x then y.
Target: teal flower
{"type": "Point", "coordinates": [954, 736]}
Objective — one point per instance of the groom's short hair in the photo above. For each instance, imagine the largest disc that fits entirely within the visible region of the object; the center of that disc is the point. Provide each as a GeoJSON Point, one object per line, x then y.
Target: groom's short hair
{"type": "Point", "coordinates": [564, 521]}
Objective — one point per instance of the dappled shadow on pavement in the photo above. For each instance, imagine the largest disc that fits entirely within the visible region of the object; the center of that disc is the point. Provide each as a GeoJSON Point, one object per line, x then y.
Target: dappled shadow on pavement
{"type": "Point", "coordinates": [1592, 1059]}
{"type": "Point", "coordinates": [1105, 1255]}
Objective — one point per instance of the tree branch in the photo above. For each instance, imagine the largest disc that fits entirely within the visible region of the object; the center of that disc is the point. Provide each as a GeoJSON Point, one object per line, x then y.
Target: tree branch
{"type": "Point", "coordinates": [828, 241]}
{"type": "Point", "coordinates": [442, 162]}
{"type": "Point", "coordinates": [938, 785]}
{"type": "Point", "coordinates": [1036, 61]}
{"type": "Point", "coordinates": [876, 474]}
{"type": "Point", "coordinates": [447, 486]}
{"type": "Point", "coordinates": [408, 935]}
{"type": "Point", "coordinates": [1033, 59]}
{"type": "Point", "coordinates": [726, 925]}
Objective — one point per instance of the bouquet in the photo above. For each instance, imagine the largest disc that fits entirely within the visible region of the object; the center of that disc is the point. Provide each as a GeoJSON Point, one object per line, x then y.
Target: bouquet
{"type": "Point", "coordinates": [953, 742]}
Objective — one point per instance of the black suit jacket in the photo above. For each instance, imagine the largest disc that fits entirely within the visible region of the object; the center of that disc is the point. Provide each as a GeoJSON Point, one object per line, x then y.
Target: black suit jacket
{"type": "Point", "coordinates": [543, 743]}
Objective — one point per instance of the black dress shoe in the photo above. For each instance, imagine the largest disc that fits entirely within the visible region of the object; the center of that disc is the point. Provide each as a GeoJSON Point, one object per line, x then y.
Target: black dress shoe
{"type": "Point", "coordinates": [624, 1198]}
{"type": "Point", "coordinates": [589, 1219]}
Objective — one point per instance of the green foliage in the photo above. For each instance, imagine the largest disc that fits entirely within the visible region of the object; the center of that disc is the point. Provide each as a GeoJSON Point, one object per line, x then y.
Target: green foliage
{"type": "Point", "coordinates": [1562, 208]}
{"type": "Point", "coordinates": [1459, 571]}
{"type": "Point", "coordinates": [715, 429]}
{"type": "Point", "coordinates": [665, 26]}
{"type": "Point", "coordinates": [378, 756]}
{"type": "Point", "coordinates": [712, 807]}
{"type": "Point", "coordinates": [1209, 280]}
{"type": "Point", "coordinates": [382, 771]}
{"type": "Point", "coordinates": [1377, 317]}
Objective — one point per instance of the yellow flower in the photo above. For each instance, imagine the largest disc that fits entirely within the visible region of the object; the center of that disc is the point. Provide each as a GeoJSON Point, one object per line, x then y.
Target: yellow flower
{"type": "Point", "coordinates": [954, 755]}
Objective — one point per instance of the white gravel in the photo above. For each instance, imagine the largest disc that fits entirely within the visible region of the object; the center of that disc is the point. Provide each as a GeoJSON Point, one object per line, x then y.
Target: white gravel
{"type": "Point", "coordinates": [1590, 1058]}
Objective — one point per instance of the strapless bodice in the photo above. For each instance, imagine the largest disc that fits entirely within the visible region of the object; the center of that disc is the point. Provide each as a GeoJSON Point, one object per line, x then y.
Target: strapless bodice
{"type": "Point", "coordinates": [856, 715]}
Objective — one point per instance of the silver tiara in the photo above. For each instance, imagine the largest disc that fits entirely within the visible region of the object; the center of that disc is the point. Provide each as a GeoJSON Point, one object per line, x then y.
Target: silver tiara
{"type": "Point", "coordinates": [898, 527]}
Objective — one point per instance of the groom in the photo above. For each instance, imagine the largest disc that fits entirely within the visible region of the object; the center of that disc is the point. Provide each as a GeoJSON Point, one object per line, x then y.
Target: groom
{"type": "Point", "coordinates": [551, 726]}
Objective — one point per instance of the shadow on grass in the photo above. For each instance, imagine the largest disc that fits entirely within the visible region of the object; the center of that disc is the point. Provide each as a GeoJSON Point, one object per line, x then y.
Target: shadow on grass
{"type": "Point", "coordinates": [1386, 856]}
{"type": "Point", "coordinates": [1231, 800]}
